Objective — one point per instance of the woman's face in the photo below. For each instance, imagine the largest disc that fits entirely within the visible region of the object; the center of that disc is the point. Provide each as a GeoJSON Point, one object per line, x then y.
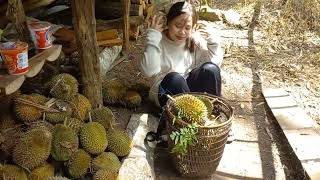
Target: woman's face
{"type": "Point", "coordinates": [180, 28]}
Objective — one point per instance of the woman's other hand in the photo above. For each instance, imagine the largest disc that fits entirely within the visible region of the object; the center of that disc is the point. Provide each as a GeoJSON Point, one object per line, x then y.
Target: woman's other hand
{"type": "Point", "coordinates": [156, 22]}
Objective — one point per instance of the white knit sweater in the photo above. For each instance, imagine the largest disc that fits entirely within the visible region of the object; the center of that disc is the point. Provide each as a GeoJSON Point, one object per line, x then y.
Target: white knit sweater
{"type": "Point", "coordinates": [163, 56]}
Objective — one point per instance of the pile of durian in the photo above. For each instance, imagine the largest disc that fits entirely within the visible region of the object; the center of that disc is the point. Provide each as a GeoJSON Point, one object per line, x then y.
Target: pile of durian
{"type": "Point", "coordinates": [59, 136]}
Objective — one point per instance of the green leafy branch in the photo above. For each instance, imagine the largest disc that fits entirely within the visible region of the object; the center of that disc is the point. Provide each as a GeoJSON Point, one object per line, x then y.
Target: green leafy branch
{"type": "Point", "coordinates": [183, 138]}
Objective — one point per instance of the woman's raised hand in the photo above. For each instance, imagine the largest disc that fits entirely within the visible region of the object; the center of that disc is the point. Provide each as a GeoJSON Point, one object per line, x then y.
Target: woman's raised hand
{"type": "Point", "coordinates": [156, 22]}
{"type": "Point", "coordinates": [204, 29]}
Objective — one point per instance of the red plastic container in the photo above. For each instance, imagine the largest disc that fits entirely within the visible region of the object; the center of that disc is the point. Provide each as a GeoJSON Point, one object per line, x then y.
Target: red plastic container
{"type": "Point", "coordinates": [15, 57]}
{"type": "Point", "coordinates": [41, 35]}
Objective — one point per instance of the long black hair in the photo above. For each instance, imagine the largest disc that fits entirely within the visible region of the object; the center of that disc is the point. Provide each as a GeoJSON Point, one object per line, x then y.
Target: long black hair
{"type": "Point", "coordinates": [181, 8]}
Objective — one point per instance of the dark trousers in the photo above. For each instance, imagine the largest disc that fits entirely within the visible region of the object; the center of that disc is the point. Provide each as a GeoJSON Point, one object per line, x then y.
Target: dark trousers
{"type": "Point", "coordinates": [205, 78]}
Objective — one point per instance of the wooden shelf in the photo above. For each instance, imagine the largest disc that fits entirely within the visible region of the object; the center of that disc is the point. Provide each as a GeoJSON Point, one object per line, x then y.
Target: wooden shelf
{"type": "Point", "coordinates": [11, 83]}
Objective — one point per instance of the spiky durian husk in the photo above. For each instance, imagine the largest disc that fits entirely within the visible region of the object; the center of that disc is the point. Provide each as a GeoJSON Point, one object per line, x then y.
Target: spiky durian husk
{"type": "Point", "coordinates": [7, 121]}
{"type": "Point", "coordinates": [104, 116]}
{"type": "Point", "coordinates": [33, 148]}
{"type": "Point", "coordinates": [74, 123]}
{"type": "Point", "coordinates": [105, 174]}
{"type": "Point", "coordinates": [9, 171]}
{"type": "Point", "coordinates": [113, 91]}
{"type": "Point", "coordinates": [142, 88]}
{"type": "Point", "coordinates": [64, 142]}
{"type": "Point", "coordinates": [57, 117]}
{"type": "Point", "coordinates": [93, 137]}
{"type": "Point", "coordinates": [106, 160]}
{"type": "Point", "coordinates": [41, 125]}
{"type": "Point", "coordinates": [132, 99]}
{"type": "Point", "coordinates": [29, 113]}
{"type": "Point", "coordinates": [57, 178]}
{"type": "Point", "coordinates": [79, 163]}
{"type": "Point", "coordinates": [81, 106]}
{"type": "Point", "coordinates": [190, 108]}
{"type": "Point", "coordinates": [119, 142]}
{"type": "Point", "coordinates": [42, 172]}
{"type": "Point", "coordinates": [63, 86]}
{"type": "Point", "coordinates": [208, 104]}
{"type": "Point", "coordinates": [10, 138]}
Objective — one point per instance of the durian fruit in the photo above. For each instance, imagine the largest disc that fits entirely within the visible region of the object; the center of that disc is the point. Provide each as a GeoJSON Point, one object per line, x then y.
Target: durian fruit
{"type": "Point", "coordinates": [93, 137]}
{"type": "Point", "coordinates": [105, 174]}
{"type": "Point", "coordinates": [74, 123]}
{"type": "Point", "coordinates": [33, 148]}
{"type": "Point", "coordinates": [113, 91]}
{"type": "Point", "coordinates": [59, 117]}
{"type": "Point", "coordinates": [7, 121]}
{"type": "Point", "coordinates": [104, 116]}
{"type": "Point", "coordinates": [29, 113]}
{"type": "Point", "coordinates": [106, 160]}
{"type": "Point", "coordinates": [42, 172]}
{"type": "Point", "coordinates": [57, 178]}
{"type": "Point", "coordinates": [132, 99]}
{"type": "Point", "coordinates": [119, 142]}
{"type": "Point", "coordinates": [142, 88]}
{"type": "Point", "coordinates": [64, 142]}
{"type": "Point", "coordinates": [208, 104]}
{"type": "Point", "coordinates": [41, 125]}
{"type": "Point", "coordinates": [81, 106]}
{"type": "Point", "coordinates": [10, 138]}
{"type": "Point", "coordinates": [9, 171]}
{"type": "Point", "coordinates": [79, 163]}
{"type": "Point", "coordinates": [63, 86]}
{"type": "Point", "coordinates": [190, 108]}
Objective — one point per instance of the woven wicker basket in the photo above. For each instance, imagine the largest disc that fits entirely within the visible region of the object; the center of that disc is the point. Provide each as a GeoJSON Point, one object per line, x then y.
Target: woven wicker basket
{"type": "Point", "coordinates": [202, 159]}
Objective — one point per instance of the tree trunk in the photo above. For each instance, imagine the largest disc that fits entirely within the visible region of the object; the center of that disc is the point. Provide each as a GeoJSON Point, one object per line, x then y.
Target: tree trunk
{"type": "Point", "coordinates": [85, 32]}
{"type": "Point", "coordinates": [126, 24]}
{"type": "Point", "coordinates": [15, 13]}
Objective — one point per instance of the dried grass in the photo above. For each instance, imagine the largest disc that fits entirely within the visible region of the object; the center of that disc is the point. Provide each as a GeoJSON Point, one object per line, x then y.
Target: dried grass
{"type": "Point", "coordinates": [292, 35]}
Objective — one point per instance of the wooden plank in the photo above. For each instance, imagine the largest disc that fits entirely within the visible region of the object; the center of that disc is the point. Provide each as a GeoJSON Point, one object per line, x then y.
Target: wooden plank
{"type": "Point", "coordinates": [300, 130]}
{"type": "Point", "coordinates": [306, 143]}
{"type": "Point", "coordinates": [55, 53]}
{"type": "Point", "coordinates": [110, 42]}
{"type": "Point", "coordinates": [107, 34]}
{"type": "Point", "coordinates": [36, 62]}
{"type": "Point", "coordinates": [67, 35]}
{"type": "Point", "coordinates": [10, 83]}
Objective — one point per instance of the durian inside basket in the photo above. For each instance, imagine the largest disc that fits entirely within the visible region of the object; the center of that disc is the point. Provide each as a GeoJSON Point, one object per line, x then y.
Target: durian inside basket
{"type": "Point", "coordinates": [202, 158]}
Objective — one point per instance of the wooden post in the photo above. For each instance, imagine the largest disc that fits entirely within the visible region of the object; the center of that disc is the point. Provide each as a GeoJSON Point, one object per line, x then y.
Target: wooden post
{"type": "Point", "coordinates": [84, 22]}
{"type": "Point", "coordinates": [126, 24]}
{"type": "Point", "coordinates": [15, 13]}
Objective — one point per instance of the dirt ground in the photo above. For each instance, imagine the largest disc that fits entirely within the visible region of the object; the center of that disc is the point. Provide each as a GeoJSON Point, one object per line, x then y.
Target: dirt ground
{"type": "Point", "coordinates": [246, 70]}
